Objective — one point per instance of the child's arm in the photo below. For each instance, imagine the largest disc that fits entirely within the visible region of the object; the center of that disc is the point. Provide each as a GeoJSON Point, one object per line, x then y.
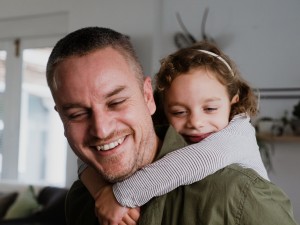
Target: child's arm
{"type": "Point", "coordinates": [234, 144]}
{"type": "Point", "coordinates": [101, 191]}
{"type": "Point", "coordinates": [109, 211]}
{"type": "Point", "coordinates": [91, 179]}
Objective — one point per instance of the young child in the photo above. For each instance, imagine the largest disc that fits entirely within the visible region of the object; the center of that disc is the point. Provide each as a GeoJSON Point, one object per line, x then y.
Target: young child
{"type": "Point", "coordinates": [206, 100]}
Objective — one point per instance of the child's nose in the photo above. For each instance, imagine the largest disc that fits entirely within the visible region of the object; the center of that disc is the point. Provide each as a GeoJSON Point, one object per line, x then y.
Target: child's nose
{"type": "Point", "coordinates": [196, 121]}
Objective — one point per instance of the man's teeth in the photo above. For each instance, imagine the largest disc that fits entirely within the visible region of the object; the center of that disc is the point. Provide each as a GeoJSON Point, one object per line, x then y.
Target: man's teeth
{"type": "Point", "coordinates": [110, 145]}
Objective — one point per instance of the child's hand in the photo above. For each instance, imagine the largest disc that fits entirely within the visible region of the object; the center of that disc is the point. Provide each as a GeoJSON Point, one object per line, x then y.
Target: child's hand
{"type": "Point", "coordinates": [131, 218]}
{"type": "Point", "coordinates": [110, 212]}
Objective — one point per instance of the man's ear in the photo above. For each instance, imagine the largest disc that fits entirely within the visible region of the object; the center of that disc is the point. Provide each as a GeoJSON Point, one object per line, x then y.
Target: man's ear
{"type": "Point", "coordinates": [148, 95]}
{"type": "Point", "coordinates": [56, 109]}
{"type": "Point", "coordinates": [235, 99]}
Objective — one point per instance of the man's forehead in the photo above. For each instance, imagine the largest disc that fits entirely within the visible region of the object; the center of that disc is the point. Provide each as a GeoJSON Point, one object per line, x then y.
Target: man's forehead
{"type": "Point", "coordinates": [93, 70]}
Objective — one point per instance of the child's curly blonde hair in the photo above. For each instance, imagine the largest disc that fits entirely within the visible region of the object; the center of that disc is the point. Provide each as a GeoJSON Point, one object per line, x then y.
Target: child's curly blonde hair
{"type": "Point", "coordinates": [191, 58]}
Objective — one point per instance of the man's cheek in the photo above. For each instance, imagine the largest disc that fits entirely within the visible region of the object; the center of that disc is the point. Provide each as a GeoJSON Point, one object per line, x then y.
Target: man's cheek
{"type": "Point", "coordinates": [73, 133]}
{"type": "Point", "coordinates": [66, 128]}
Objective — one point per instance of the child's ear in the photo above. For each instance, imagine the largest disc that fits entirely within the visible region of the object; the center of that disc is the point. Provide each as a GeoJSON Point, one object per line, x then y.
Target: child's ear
{"type": "Point", "coordinates": [235, 99]}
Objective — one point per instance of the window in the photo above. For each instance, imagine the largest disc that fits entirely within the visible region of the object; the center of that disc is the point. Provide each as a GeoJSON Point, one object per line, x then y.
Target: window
{"type": "Point", "coordinates": [2, 87]}
{"type": "Point", "coordinates": [35, 152]}
{"type": "Point", "coordinates": [32, 144]}
{"type": "Point", "coordinates": [42, 143]}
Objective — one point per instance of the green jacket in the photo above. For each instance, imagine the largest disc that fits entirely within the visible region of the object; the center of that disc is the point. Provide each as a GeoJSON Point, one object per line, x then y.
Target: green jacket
{"type": "Point", "coordinates": [233, 195]}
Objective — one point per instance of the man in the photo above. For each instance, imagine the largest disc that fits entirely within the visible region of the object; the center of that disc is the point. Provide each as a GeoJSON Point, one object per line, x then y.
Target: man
{"type": "Point", "coordinates": [102, 98]}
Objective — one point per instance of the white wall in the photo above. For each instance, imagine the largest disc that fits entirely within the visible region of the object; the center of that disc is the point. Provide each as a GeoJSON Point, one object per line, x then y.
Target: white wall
{"type": "Point", "coordinates": [261, 36]}
{"type": "Point", "coordinates": [286, 172]}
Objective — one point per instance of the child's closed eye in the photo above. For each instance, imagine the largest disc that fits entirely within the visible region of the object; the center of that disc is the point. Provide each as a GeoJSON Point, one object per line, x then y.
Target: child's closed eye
{"type": "Point", "coordinates": [179, 113]}
{"type": "Point", "coordinates": [210, 109]}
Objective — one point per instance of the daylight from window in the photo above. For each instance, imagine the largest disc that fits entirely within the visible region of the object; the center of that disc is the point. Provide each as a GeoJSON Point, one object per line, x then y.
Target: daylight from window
{"type": "Point", "coordinates": [2, 87]}
{"type": "Point", "coordinates": [42, 145]}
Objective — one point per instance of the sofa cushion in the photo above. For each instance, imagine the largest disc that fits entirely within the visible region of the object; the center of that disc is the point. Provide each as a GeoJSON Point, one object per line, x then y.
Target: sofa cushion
{"type": "Point", "coordinates": [53, 201]}
{"type": "Point", "coordinates": [25, 205]}
{"type": "Point", "coordinates": [6, 200]}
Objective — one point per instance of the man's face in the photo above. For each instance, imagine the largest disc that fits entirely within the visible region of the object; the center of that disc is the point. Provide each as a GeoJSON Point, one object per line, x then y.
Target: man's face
{"type": "Point", "coordinates": [106, 115]}
{"type": "Point", "coordinates": [197, 105]}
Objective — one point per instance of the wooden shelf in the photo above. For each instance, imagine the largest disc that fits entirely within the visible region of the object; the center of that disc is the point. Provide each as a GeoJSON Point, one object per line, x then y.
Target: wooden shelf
{"type": "Point", "coordinates": [283, 138]}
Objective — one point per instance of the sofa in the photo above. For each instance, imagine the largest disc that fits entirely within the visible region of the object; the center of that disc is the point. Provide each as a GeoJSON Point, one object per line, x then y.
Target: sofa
{"type": "Point", "coordinates": [23, 204]}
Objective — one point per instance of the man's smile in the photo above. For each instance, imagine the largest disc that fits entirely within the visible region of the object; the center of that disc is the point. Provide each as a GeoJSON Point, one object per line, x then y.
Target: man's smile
{"type": "Point", "coordinates": [111, 145]}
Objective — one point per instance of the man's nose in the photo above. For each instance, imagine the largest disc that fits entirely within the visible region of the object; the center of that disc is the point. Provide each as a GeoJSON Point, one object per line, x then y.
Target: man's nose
{"type": "Point", "coordinates": [102, 124]}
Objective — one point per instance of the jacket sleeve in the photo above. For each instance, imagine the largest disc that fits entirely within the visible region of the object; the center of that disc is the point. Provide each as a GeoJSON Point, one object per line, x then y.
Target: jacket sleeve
{"type": "Point", "coordinates": [80, 206]}
{"type": "Point", "coordinates": [265, 203]}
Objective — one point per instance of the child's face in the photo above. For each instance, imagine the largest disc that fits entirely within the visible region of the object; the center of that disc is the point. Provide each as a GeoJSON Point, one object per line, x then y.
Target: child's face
{"type": "Point", "coordinates": [197, 105]}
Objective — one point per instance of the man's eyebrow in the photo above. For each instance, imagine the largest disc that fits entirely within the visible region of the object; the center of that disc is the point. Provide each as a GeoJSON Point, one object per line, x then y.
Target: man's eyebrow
{"type": "Point", "coordinates": [115, 91]}
{"type": "Point", "coordinates": [108, 95]}
{"type": "Point", "coordinates": [71, 106]}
